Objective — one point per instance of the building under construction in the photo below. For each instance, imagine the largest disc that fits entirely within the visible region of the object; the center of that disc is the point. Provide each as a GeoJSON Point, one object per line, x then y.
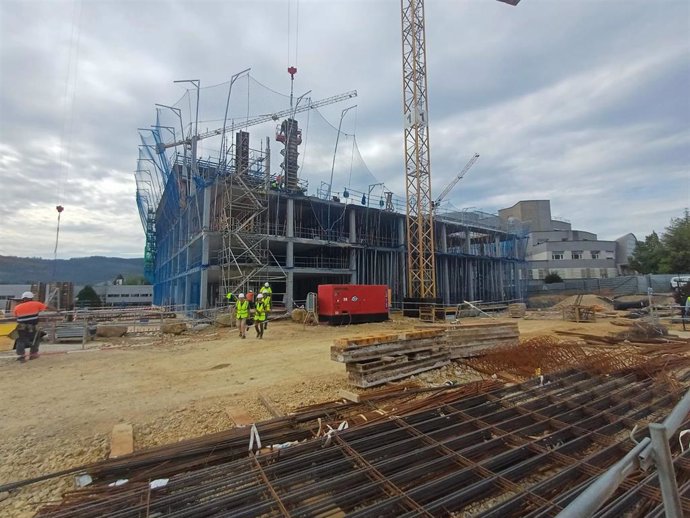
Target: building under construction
{"type": "Point", "coordinates": [229, 223]}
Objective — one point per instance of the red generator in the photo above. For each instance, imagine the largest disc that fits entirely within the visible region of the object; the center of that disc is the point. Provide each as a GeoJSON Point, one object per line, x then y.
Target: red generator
{"type": "Point", "coordinates": [352, 303]}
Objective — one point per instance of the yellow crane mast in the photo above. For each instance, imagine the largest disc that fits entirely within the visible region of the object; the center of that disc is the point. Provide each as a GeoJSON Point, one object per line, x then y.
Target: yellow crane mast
{"type": "Point", "coordinates": [421, 267]}
{"type": "Point", "coordinates": [421, 261]}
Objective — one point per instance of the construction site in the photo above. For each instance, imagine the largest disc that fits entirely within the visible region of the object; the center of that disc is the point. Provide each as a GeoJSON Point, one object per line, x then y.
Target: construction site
{"type": "Point", "coordinates": [403, 370]}
{"type": "Point", "coordinates": [515, 412]}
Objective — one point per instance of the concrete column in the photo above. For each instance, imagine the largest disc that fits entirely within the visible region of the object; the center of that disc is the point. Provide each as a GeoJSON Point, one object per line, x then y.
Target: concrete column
{"type": "Point", "coordinates": [187, 291]}
{"type": "Point", "coordinates": [468, 241]}
{"type": "Point", "coordinates": [497, 244]}
{"type": "Point", "coordinates": [444, 239]}
{"type": "Point", "coordinates": [402, 240]}
{"type": "Point", "coordinates": [290, 218]}
{"type": "Point", "coordinates": [290, 281]}
{"type": "Point", "coordinates": [352, 215]}
{"type": "Point", "coordinates": [290, 255]}
{"type": "Point", "coordinates": [205, 242]}
{"type": "Point", "coordinates": [443, 248]}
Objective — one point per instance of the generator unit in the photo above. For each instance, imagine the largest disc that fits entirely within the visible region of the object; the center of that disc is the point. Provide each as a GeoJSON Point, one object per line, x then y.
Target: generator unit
{"type": "Point", "coordinates": [352, 303]}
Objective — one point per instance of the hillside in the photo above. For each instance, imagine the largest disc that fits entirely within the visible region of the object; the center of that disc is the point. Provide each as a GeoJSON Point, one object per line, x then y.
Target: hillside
{"type": "Point", "coordinates": [79, 270]}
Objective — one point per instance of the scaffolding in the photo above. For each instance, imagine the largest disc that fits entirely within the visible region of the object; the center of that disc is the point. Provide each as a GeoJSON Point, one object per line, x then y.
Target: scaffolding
{"type": "Point", "coordinates": [245, 256]}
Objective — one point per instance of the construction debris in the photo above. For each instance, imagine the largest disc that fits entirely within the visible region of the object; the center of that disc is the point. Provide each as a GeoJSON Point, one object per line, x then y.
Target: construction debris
{"type": "Point", "coordinates": [375, 360]}
{"type": "Point", "coordinates": [578, 312]}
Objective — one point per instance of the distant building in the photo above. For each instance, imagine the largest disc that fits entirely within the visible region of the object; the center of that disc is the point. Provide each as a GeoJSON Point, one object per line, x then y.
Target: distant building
{"type": "Point", "coordinates": [10, 292]}
{"type": "Point", "coordinates": [59, 295]}
{"type": "Point", "coordinates": [123, 295]}
{"type": "Point", "coordinates": [553, 246]}
{"type": "Point", "coordinates": [625, 247]}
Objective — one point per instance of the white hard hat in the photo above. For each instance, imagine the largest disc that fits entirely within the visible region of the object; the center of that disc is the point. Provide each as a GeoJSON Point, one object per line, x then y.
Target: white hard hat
{"type": "Point", "coordinates": [266, 284]}
{"type": "Point", "coordinates": [260, 296]}
{"type": "Point", "coordinates": [241, 295]}
{"type": "Point", "coordinates": [27, 295]}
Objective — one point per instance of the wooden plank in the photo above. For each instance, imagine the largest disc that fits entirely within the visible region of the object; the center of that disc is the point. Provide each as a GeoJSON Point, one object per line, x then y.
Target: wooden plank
{"type": "Point", "coordinates": [478, 350]}
{"type": "Point", "coordinates": [365, 340]}
{"type": "Point", "coordinates": [121, 440]}
{"type": "Point", "coordinates": [350, 396]}
{"type": "Point", "coordinates": [271, 406]}
{"type": "Point", "coordinates": [402, 369]}
{"type": "Point", "coordinates": [375, 365]}
{"type": "Point", "coordinates": [364, 382]}
{"type": "Point", "coordinates": [375, 352]}
{"type": "Point", "coordinates": [239, 416]}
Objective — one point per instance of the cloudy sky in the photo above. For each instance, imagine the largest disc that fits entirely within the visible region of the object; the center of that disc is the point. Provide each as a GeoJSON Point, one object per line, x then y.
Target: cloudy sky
{"type": "Point", "coordinates": [583, 102]}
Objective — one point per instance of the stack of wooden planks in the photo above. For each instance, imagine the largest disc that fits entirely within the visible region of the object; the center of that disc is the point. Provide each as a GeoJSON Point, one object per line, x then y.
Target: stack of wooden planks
{"type": "Point", "coordinates": [473, 339]}
{"type": "Point", "coordinates": [375, 360]}
{"type": "Point", "coordinates": [517, 310]}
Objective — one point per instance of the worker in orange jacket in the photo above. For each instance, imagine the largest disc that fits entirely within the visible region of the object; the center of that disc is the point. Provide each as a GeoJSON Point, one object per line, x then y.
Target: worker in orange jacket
{"type": "Point", "coordinates": [26, 313]}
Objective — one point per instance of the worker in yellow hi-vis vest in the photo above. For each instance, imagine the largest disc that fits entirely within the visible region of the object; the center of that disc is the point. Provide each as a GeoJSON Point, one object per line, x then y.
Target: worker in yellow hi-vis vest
{"type": "Point", "coordinates": [267, 293]}
{"type": "Point", "coordinates": [260, 316]}
{"type": "Point", "coordinates": [241, 314]}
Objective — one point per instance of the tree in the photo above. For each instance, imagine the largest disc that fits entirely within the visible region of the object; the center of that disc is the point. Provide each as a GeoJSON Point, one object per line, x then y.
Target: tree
{"type": "Point", "coordinates": [87, 297]}
{"type": "Point", "coordinates": [647, 256]}
{"type": "Point", "coordinates": [668, 254]}
{"type": "Point", "coordinates": [552, 278]}
{"type": "Point", "coordinates": [676, 241]}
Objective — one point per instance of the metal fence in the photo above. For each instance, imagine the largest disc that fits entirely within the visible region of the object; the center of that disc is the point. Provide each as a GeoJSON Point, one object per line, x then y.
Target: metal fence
{"type": "Point", "coordinates": [614, 286]}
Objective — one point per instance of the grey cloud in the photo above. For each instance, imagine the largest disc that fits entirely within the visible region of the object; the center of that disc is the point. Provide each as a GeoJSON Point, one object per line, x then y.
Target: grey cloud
{"type": "Point", "coordinates": [526, 87]}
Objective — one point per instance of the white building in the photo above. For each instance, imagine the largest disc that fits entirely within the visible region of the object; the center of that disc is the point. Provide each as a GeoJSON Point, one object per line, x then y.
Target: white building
{"type": "Point", "coordinates": [554, 247]}
{"type": "Point", "coordinates": [123, 295]}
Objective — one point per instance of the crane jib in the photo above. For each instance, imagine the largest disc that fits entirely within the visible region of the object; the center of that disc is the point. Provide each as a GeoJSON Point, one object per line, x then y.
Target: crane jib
{"type": "Point", "coordinates": [268, 117]}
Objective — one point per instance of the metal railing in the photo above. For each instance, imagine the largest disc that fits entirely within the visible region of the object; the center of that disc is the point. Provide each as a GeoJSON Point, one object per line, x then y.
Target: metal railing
{"type": "Point", "coordinates": [650, 451]}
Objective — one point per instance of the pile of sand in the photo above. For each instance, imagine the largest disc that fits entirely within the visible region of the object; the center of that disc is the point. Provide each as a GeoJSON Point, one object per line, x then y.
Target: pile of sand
{"type": "Point", "coordinates": [587, 300]}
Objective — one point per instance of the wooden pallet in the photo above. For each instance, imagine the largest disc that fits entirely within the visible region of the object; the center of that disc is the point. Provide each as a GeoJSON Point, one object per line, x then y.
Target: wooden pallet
{"type": "Point", "coordinates": [380, 374]}
{"type": "Point", "coordinates": [377, 359]}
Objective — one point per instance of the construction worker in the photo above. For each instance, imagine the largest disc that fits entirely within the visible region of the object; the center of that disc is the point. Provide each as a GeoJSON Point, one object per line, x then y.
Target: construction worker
{"type": "Point", "coordinates": [241, 314]}
{"type": "Point", "coordinates": [267, 292]}
{"type": "Point", "coordinates": [260, 316]}
{"type": "Point", "coordinates": [26, 313]}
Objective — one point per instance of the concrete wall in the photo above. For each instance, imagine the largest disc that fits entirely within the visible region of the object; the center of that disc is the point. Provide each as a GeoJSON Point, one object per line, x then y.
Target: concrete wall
{"type": "Point", "coordinates": [536, 213]}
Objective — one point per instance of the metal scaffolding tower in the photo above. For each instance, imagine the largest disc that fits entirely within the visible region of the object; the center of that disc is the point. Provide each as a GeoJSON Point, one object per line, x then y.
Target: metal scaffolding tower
{"type": "Point", "coordinates": [245, 256]}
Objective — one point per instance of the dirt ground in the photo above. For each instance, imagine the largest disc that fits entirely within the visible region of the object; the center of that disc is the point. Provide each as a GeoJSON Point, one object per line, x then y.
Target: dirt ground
{"type": "Point", "coordinates": [58, 411]}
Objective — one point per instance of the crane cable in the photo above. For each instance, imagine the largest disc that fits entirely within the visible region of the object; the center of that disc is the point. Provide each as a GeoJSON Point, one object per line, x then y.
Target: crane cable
{"type": "Point", "coordinates": [289, 30]}
{"type": "Point", "coordinates": [68, 118]}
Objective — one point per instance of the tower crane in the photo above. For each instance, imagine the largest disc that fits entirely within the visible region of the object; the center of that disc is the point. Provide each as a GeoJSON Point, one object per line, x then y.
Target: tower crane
{"type": "Point", "coordinates": [421, 267]}
{"type": "Point", "coordinates": [455, 180]}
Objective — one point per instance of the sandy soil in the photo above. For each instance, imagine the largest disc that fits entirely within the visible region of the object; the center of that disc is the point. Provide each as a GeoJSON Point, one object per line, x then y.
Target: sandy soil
{"type": "Point", "coordinates": [58, 411]}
